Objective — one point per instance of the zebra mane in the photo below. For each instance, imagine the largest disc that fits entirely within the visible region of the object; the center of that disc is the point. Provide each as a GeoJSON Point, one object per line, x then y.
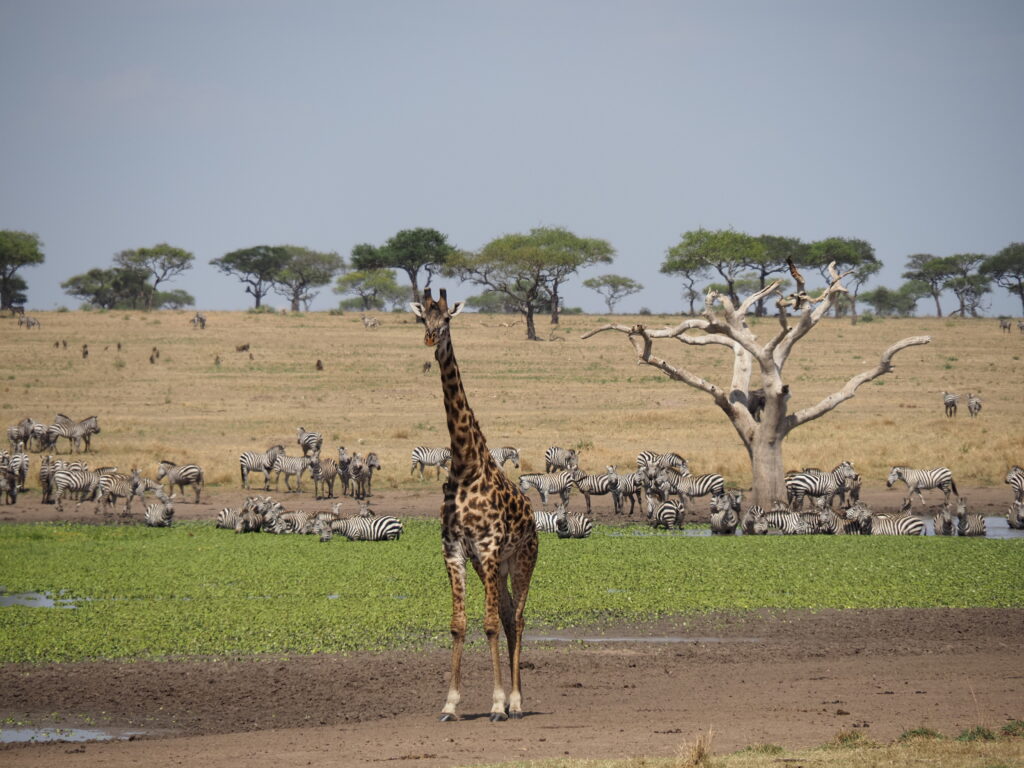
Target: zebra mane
{"type": "Point", "coordinates": [169, 463]}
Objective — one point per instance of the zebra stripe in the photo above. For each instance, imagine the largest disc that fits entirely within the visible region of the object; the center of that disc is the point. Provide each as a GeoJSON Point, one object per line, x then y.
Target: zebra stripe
{"type": "Point", "coordinates": [788, 523]}
{"type": "Point", "coordinates": [115, 486]}
{"type": "Point", "coordinates": [573, 525]}
{"type": "Point", "coordinates": [626, 486]}
{"type": "Point", "coordinates": [816, 483]}
{"type": "Point", "coordinates": [182, 475]}
{"type": "Point", "coordinates": [504, 454]}
{"type": "Point", "coordinates": [561, 458]}
{"type": "Point", "coordinates": [430, 457]}
{"type": "Point", "coordinates": [251, 461]}
{"type": "Point", "coordinates": [547, 522]}
{"type": "Point", "coordinates": [949, 401]}
{"type": "Point", "coordinates": [753, 522]}
{"type": "Point", "coordinates": [362, 473]}
{"type": "Point", "coordinates": [324, 473]}
{"type": "Point", "coordinates": [560, 483]}
{"type": "Point", "coordinates": [669, 513]}
{"type": "Point", "coordinates": [159, 515]}
{"type": "Point", "coordinates": [944, 525]}
{"type": "Point", "coordinates": [872, 525]}
{"type": "Point", "coordinates": [725, 513]}
{"type": "Point", "coordinates": [227, 518]}
{"type": "Point", "coordinates": [835, 525]}
{"type": "Point", "coordinates": [382, 528]}
{"type": "Point", "coordinates": [310, 442]}
{"type": "Point", "coordinates": [649, 463]}
{"type": "Point", "coordinates": [290, 466]}
{"type": "Point", "coordinates": [1015, 515]}
{"type": "Point", "coordinates": [75, 480]}
{"type": "Point", "coordinates": [918, 480]}
{"type": "Point", "coordinates": [594, 485]}
{"type": "Point", "coordinates": [1015, 479]}
{"type": "Point", "coordinates": [973, 405]}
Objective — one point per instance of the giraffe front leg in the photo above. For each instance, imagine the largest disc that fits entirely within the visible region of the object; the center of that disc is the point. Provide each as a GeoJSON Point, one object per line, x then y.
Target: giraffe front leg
{"type": "Point", "coordinates": [490, 575]}
{"type": "Point", "coordinates": [457, 576]}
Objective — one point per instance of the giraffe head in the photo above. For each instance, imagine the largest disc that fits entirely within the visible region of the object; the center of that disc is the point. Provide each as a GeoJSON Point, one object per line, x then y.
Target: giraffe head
{"type": "Point", "coordinates": [435, 315]}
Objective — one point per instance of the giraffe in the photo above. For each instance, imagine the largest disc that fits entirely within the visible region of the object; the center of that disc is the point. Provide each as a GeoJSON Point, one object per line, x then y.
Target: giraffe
{"type": "Point", "coordinates": [485, 519]}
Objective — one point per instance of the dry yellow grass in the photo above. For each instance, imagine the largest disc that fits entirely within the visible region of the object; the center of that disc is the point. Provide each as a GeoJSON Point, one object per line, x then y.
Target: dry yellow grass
{"type": "Point", "coordinates": [373, 394]}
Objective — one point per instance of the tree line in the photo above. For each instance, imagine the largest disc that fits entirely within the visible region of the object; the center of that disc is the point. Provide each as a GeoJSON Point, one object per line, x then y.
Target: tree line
{"type": "Point", "coordinates": [524, 273]}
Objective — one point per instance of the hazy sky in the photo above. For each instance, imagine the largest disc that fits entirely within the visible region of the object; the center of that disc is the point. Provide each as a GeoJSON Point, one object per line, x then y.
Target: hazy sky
{"type": "Point", "coordinates": [215, 125]}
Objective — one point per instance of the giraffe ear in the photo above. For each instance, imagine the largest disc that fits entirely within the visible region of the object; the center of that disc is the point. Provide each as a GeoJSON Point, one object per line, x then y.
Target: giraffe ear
{"type": "Point", "coordinates": [457, 307]}
{"type": "Point", "coordinates": [417, 308]}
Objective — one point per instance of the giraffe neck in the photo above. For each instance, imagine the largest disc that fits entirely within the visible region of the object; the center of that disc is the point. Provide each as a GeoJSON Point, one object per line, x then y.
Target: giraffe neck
{"type": "Point", "coordinates": [468, 444]}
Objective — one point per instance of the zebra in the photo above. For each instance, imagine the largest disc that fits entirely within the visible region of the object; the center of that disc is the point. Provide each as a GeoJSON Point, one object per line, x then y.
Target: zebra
{"type": "Point", "coordinates": [344, 465]}
{"type": "Point", "coordinates": [783, 520]}
{"type": "Point", "coordinates": [1004, 324]}
{"type": "Point", "coordinates": [1015, 515]}
{"type": "Point", "coordinates": [46, 470]}
{"type": "Point", "coordinates": [559, 483]}
{"type": "Point", "coordinates": [249, 521]}
{"type": "Point", "coordinates": [872, 525]}
{"type": "Point", "coordinates": [753, 522]}
{"type": "Point", "coordinates": [667, 514]}
{"type": "Point", "coordinates": [18, 464]}
{"type": "Point", "coordinates": [968, 523]}
{"type": "Point", "coordinates": [82, 481]}
{"type": "Point", "coordinates": [116, 485]}
{"type": "Point", "coordinates": [83, 432]}
{"type": "Point", "coordinates": [61, 427]}
{"type": "Point", "coordinates": [293, 522]}
{"type": "Point", "coordinates": [290, 465]}
{"type": "Point", "coordinates": [160, 515]}
{"type": "Point", "coordinates": [182, 475]}
{"type": "Point", "coordinates": [724, 513]}
{"type": "Point", "coordinates": [505, 453]}
{"type": "Point", "coordinates": [430, 457]}
{"type": "Point", "coordinates": [571, 525]}
{"type": "Point", "coordinates": [832, 524]}
{"type": "Point", "coordinates": [547, 522]}
{"type": "Point", "coordinates": [20, 433]}
{"type": "Point", "coordinates": [362, 474]}
{"type": "Point", "coordinates": [310, 442]}
{"type": "Point", "coordinates": [923, 479]}
{"type": "Point", "coordinates": [944, 525]}
{"type": "Point", "coordinates": [949, 400]}
{"type": "Point", "coordinates": [819, 484]}
{"type": "Point", "coordinates": [594, 485]}
{"type": "Point", "coordinates": [324, 472]}
{"type": "Point", "coordinates": [649, 463]}
{"type": "Point", "coordinates": [369, 322]}
{"type": "Point", "coordinates": [227, 518]}
{"type": "Point", "coordinates": [8, 484]}
{"type": "Point", "coordinates": [626, 486]}
{"type": "Point", "coordinates": [671, 483]}
{"type": "Point", "coordinates": [383, 528]}
{"type": "Point", "coordinates": [561, 458]}
{"type": "Point", "coordinates": [38, 437]}
{"type": "Point", "coordinates": [973, 405]}
{"type": "Point", "coordinates": [1015, 479]}
{"type": "Point", "coordinates": [198, 321]}
{"type": "Point", "coordinates": [251, 461]}
{"type": "Point", "coordinates": [29, 322]}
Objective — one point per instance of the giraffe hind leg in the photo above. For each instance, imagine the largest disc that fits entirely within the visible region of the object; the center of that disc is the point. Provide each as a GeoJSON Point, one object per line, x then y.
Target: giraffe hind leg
{"type": "Point", "coordinates": [457, 577]}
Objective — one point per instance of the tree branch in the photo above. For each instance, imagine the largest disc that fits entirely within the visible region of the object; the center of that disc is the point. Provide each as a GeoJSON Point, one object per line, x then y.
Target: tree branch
{"type": "Point", "coordinates": [850, 388]}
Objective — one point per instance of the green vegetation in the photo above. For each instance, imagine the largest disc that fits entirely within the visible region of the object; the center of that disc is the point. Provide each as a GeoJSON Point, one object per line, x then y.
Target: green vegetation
{"type": "Point", "coordinates": [196, 590]}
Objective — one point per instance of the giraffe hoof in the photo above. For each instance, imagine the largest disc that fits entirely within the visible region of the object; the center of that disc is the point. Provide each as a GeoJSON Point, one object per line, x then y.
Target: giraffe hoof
{"type": "Point", "coordinates": [498, 717]}
{"type": "Point", "coordinates": [449, 717]}
{"type": "Point", "coordinates": [515, 715]}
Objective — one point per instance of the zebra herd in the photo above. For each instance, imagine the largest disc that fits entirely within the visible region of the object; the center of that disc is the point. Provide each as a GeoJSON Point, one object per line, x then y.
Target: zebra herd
{"type": "Point", "coordinates": [950, 401]}
{"type": "Point", "coordinates": [354, 472]}
{"type": "Point", "coordinates": [39, 437]}
{"type": "Point", "coordinates": [263, 513]}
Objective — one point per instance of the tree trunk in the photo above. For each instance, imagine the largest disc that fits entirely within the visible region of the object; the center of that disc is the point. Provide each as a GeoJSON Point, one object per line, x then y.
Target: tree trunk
{"type": "Point", "coordinates": [1020, 292]}
{"type": "Point", "coordinates": [766, 463]}
{"type": "Point", "coordinates": [554, 305]}
{"type": "Point", "coordinates": [938, 307]}
{"type": "Point", "coordinates": [531, 329]}
{"type": "Point", "coordinates": [415, 286]}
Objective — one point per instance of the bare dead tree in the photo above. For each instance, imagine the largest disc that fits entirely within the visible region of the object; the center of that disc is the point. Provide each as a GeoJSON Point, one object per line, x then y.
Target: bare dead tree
{"type": "Point", "coordinates": [724, 324]}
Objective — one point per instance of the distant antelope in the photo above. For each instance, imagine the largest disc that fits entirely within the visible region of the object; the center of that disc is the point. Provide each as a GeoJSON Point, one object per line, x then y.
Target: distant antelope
{"type": "Point", "coordinates": [319, 364]}
{"type": "Point", "coordinates": [426, 367]}
{"type": "Point", "coordinates": [85, 351]}
{"type": "Point", "coordinates": [242, 348]}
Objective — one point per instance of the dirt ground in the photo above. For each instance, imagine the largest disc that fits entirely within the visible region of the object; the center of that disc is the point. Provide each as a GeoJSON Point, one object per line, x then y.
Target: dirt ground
{"type": "Point", "coordinates": [789, 678]}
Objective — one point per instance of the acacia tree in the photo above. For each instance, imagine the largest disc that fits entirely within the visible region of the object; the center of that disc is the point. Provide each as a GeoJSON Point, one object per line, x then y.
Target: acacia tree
{"type": "Point", "coordinates": [408, 250]}
{"type": "Point", "coordinates": [725, 251]}
{"type": "Point", "coordinates": [256, 267]}
{"type": "Point", "coordinates": [1006, 269]}
{"type": "Point", "coordinates": [966, 283]}
{"type": "Point", "coordinates": [163, 262]}
{"type": "Point", "coordinates": [370, 289]}
{"type": "Point", "coordinates": [613, 288]}
{"type": "Point", "coordinates": [931, 270]}
{"type": "Point", "coordinates": [566, 254]}
{"type": "Point", "coordinates": [17, 250]}
{"type": "Point", "coordinates": [724, 323]}
{"type": "Point", "coordinates": [304, 270]}
{"type": "Point", "coordinates": [857, 257]}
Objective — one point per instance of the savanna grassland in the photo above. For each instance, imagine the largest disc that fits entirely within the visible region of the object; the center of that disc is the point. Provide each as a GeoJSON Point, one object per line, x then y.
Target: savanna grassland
{"type": "Point", "coordinates": [590, 394]}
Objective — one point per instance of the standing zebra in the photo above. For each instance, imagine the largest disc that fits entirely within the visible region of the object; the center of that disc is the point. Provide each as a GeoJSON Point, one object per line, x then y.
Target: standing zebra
{"type": "Point", "coordinates": [310, 442]}
{"type": "Point", "coordinates": [871, 525]}
{"type": "Point", "coordinates": [344, 471]}
{"type": "Point", "coordinates": [559, 483]}
{"type": "Point", "coordinates": [251, 461]}
{"type": "Point", "coordinates": [289, 466]}
{"type": "Point", "coordinates": [626, 486]}
{"type": "Point", "coordinates": [725, 513]}
{"type": "Point", "coordinates": [362, 474]}
{"type": "Point", "coordinates": [113, 486]}
{"type": "Point", "coordinates": [1015, 479]}
{"type": "Point", "coordinates": [668, 483]}
{"type": "Point", "coordinates": [20, 433]}
{"type": "Point", "coordinates": [818, 484]}
{"type": "Point", "coordinates": [669, 513]}
{"type": "Point", "coordinates": [505, 453]}
{"type": "Point", "coordinates": [182, 475]}
{"type": "Point", "coordinates": [83, 481]}
{"type": "Point", "coordinates": [923, 479]}
{"type": "Point", "coordinates": [1004, 324]}
{"type": "Point", "coordinates": [649, 463]}
{"type": "Point", "coordinates": [324, 472]}
{"type": "Point", "coordinates": [561, 458]}
{"type": "Point", "coordinates": [968, 523]}
{"type": "Point", "coordinates": [594, 485]}
{"type": "Point", "coordinates": [949, 400]}
{"type": "Point", "coordinates": [198, 321]}
{"type": "Point", "coordinates": [973, 405]}
{"type": "Point", "coordinates": [430, 457]}
{"type": "Point", "coordinates": [383, 528]}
